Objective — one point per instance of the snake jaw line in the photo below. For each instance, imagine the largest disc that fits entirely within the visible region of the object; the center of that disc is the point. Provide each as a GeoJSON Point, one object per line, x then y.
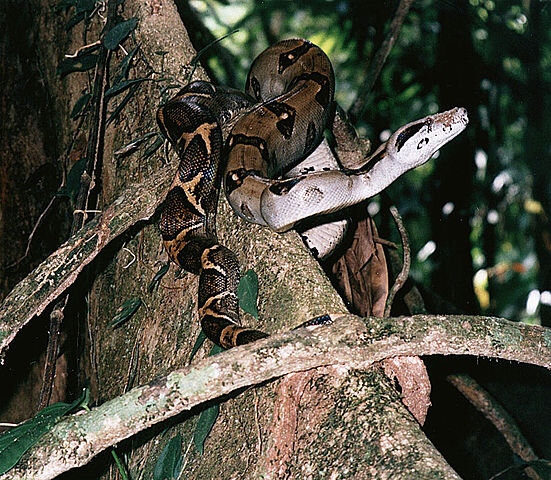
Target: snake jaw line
{"type": "Point", "coordinates": [415, 143]}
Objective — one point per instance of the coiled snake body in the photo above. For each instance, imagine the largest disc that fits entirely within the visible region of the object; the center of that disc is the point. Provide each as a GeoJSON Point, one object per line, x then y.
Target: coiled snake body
{"type": "Point", "coordinates": [292, 84]}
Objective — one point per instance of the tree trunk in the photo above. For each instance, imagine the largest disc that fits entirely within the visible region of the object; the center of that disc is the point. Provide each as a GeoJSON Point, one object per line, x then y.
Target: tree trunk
{"type": "Point", "coordinates": [249, 435]}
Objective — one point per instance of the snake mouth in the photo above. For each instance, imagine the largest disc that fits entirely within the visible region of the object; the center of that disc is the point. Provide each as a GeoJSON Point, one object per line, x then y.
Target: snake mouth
{"type": "Point", "coordinates": [452, 117]}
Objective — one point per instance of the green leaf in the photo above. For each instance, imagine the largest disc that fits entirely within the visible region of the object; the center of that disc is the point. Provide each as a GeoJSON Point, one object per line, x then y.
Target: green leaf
{"type": "Point", "coordinates": [121, 467]}
{"type": "Point", "coordinates": [15, 442]}
{"type": "Point", "coordinates": [63, 5]}
{"type": "Point", "coordinates": [409, 93]}
{"type": "Point", "coordinates": [118, 33]}
{"type": "Point", "coordinates": [208, 417]}
{"type": "Point", "coordinates": [215, 350]}
{"type": "Point", "coordinates": [197, 345]}
{"type": "Point", "coordinates": [247, 292]}
{"type": "Point", "coordinates": [86, 6]}
{"type": "Point", "coordinates": [81, 104]}
{"type": "Point", "coordinates": [77, 64]}
{"type": "Point", "coordinates": [122, 104]}
{"type": "Point", "coordinates": [206, 421]}
{"type": "Point", "coordinates": [71, 188]}
{"type": "Point", "coordinates": [123, 85]}
{"type": "Point", "coordinates": [158, 276]}
{"type": "Point", "coordinates": [124, 65]}
{"type": "Point", "coordinates": [169, 463]}
{"type": "Point", "coordinates": [125, 311]}
{"type": "Point", "coordinates": [74, 20]}
{"type": "Point", "coordinates": [154, 147]}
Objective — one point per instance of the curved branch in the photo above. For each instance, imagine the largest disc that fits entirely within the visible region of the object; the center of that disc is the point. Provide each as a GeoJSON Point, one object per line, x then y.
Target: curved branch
{"type": "Point", "coordinates": [349, 341]}
{"type": "Point", "coordinates": [59, 271]}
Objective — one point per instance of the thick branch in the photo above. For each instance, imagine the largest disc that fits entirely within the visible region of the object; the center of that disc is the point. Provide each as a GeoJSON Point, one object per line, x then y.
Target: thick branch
{"type": "Point", "coordinates": [349, 341]}
{"type": "Point", "coordinates": [55, 274]}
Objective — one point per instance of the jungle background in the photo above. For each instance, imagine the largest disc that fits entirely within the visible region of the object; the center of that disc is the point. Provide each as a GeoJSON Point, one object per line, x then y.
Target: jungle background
{"type": "Point", "coordinates": [477, 215]}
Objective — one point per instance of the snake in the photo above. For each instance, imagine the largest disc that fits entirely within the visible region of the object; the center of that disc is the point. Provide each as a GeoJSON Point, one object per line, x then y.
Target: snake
{"type": "Point", "coordinates": [275, 168]}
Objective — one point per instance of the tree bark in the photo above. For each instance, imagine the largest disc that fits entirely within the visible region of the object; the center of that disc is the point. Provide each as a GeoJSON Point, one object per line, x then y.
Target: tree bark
{"type": "Point", "coordinates": [359, 411]}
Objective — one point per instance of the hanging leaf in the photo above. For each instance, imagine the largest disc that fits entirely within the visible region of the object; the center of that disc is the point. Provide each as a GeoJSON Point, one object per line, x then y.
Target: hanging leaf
{"type": "Point", "coordinates": [125, 311]}
{"type": "Point", "coordinates": [86, 6]}
{"type": "Point", "coordinates": [74, 20]}
{"type": "Point", "coordinates": [81, 104]}
{"type": "Point", "coordinates": [208, 417]}
{"type": "Point", "coordinates": [158, 276]}
{"type": "Point", "coordinates": [153, 147]}
{"type": "Point", "coordinates": [77, 64]}
{"type": "Point", "coordinates": [15, 442]}
{"type": "Point", "coordinates": [124, 65]}
{"type": "Point", "coordinates": [83, 9]}
{"type": "Point", "coordinates": [123, 85]}
{"type": "Point", "coordinates": [247, 292]}
{"type": "Point", "coordinates": [64, 5]}
{"type": "Point", "coordinates": [197, 345]}
{"type": "Point", "coordinates": [169, 463]}
{"type": "Point", "coordinates": [134, 144]}
{"type": "Point", "coordinates": [122, 104]}
{"type": "Point", "coordinates": [206, 421]}
{"type": "Point", "coordinates": [71, 188]}
{"type": "Point", "coordinates": [118, 33]}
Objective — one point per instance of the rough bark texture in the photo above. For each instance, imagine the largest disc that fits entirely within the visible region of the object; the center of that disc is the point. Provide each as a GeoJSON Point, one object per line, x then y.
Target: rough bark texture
{"type": "Point", "coordinates": [350, 422]}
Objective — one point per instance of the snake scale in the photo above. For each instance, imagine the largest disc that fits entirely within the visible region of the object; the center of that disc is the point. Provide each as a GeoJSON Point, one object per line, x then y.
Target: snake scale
{"type": "Point", "coordinates": [289, 98]}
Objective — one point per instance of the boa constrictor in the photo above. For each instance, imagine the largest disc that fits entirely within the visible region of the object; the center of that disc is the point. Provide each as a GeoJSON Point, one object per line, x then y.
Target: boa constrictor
{"type": "Point", "coordinates": [289, 102]}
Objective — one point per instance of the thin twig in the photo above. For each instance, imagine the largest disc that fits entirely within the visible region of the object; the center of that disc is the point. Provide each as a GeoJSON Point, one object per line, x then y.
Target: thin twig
{"type": "Point", "coordinates": [358, 107]}
{"type": "Point", "coordinates": [48, 376]}
{"type": "Point", "coordinates": [79, 50]}
{"type": "Point", "coordinates": [84, 200]}
{"type": "Point", "coordinates": [498, 416]}
{"type": "Point", "coordinates": [404, 273]}
{"type": "Point", "coordinates": [31, 235]}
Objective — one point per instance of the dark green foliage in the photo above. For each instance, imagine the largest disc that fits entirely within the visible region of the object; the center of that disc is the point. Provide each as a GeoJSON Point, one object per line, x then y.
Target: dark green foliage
{"type": "Point", "coordinates": [125, 312]}
{"type": "Point", "coordinates": [158, 277]}
{"type": "Point", "coordinates": [197, 345]}
{"type": "Point", "coordinates": [208, 417]}
{"type": "Point", "coordinates": [77, 64]}
{"type": "Point", "coordinates": [81, 104]}
{"type": "Point", "coordinates": [247, 292]}
{"type": "Point", "coordinates": [72, 186]}
{"type": "Point", "coordinates": [206, 421]}
{"type": "Point", "coordinates": [124, 65]}
{"type": "Point", "coordinates": [15, 442]}
{"type": "Point", "coordinates": [118, 33]}
{"type": "Point", "coordinates": [170, 460]}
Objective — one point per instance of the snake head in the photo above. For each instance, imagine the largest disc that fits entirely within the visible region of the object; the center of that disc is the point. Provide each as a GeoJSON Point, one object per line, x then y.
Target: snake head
{"type": "Point", "coordinates": [415, 143]}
